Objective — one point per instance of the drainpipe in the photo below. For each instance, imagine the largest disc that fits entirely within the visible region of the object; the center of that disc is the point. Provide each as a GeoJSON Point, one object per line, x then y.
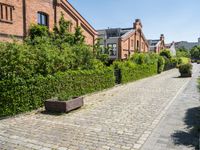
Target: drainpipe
{"type": "Point", "coordinates": [24, 18]}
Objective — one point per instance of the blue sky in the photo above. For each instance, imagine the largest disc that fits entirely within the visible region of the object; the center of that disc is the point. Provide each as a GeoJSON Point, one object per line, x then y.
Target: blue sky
{"type": "Point", "coordinates": [177, 19]}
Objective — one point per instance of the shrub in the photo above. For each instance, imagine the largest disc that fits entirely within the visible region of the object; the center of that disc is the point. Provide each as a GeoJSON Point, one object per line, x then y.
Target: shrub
{"type": "Point", "coordinates": [139, 58]}
{"type": "Point", "coordinates": [166, 53]}
{"type": "Point", "coordinates": [19, 95]}
{"type": "Point", "coordinates": [38, 31]}
{"type": "Point", "coordinates": [130, 71]}
{"type": "Point", "coordinates": [182, 52]}
{"type": "Point", "coordinates": [15, 61]}
{"type": "Point", "coordinates": [195, 53]}
{"type": "Point", "coordinates": [170, 63]}
{"type": "Point", "coordinates": [185, 69]}
{"type": "Point", "coordinates": [183, 60]}
{"type": "Point", "coordinates": [161, 64]}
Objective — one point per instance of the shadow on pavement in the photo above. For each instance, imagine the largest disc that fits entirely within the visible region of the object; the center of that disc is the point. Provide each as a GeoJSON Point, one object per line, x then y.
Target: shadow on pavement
{"type": "Point", "coordinates": [190, 137]}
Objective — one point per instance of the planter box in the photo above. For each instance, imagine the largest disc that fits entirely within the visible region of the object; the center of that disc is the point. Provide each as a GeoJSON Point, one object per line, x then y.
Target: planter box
{"type": "Point", "coordinates": [54, 105]}
{"type": "Point", "coordinates": [186, 75]}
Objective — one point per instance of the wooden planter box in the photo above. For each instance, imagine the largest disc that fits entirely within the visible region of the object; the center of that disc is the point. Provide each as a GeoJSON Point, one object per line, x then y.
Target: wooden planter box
{"type": "Point", "coordinates": [54, 105]}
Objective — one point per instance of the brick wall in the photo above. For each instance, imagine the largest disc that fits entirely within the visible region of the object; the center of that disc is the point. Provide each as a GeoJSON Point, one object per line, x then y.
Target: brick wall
{"type": "Point", "coordinates": [129, 44]}
{"type": "Point", "coordinates": [14, 27]}
{"type": "Point", "coordinates": [48, 7]}
{"type": "Point", "coordinates": [35, 6]}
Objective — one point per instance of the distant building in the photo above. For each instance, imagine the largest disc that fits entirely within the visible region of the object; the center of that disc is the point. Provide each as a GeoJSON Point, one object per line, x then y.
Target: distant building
{"type": "Point", "coordinates": [157, 45]}
{"type": "Point", "coordinates": [171, 47]}
{"type": "Point", "coordinates": [123, 42]}
{"type": "Point", "coordinates": [187, 45]}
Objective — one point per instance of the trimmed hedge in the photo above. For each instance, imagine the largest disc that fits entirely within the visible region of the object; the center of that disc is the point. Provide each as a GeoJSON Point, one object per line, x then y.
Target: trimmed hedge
{"type": "Point", "coordinates": [21, 95]}
{"type": "Point", "coordinates": [161, 64]}
{"type": "Point", "coordinates": [132, 72]}
{"type": "Point", "coordinates": [170, 63]}
{"type": "Point", "coordinates": [185, 69]}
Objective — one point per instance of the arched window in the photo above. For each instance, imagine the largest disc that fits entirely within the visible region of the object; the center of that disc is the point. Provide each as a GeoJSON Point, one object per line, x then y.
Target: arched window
{"type": "Point", "coordinates": [43, 19]}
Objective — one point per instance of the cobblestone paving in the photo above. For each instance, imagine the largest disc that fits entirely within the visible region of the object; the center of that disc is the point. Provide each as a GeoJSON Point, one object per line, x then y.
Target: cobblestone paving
{"type": "Point", "coordinates": [120, 118]}
{"type": "Point", "coordinates": [176, 130]}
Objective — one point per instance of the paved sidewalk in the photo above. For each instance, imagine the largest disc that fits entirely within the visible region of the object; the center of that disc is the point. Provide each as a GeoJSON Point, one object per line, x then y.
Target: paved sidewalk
{"type": "Point", "coordinates": [177, 130]}
{"type": "Point", "coordinates": [121, 118]}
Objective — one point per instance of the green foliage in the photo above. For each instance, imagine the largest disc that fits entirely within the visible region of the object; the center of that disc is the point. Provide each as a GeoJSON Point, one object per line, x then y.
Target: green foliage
{"type": "Point", "coordinates": [195, 53]}
{"type": "Point", "coordinates": [131, 71]}
{"type": "Point", "coordinates": [15, 61]}
{"type": "Point", "coordinates": [140, 58]}
{"type": "Point", "coordinates": [78, 36]}
{"type": "Point", "coordinates": [183, 60]}
{"type": "Point", "coordinates": [182, 52]}
{"type": "Point", "coordinates": [161, 64]}
{"type": "Point", "coordinates": [185, 69]}
{"type": "Point", "coordinates": [38, 31]}
{"type": "Point", "coordinates": [61, 33]}
{"type": "Point", "coordinates": [170, 63]}
{"type": "Point", "coordinates": [101, 54]}
{"type": "Point", "coordinates": [166, 53]}
{"type": "Point", "coordinates": [19, 95]}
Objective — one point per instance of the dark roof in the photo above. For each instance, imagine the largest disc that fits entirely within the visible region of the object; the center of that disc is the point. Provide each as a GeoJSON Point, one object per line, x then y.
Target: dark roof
{"type": "Point", "coordinates": [114, 32]}
{"type": "Point", "coordinates": [153, 42]}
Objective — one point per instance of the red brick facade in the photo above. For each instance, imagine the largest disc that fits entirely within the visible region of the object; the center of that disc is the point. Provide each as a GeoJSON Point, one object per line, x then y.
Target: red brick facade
{"type": "Point", "coordinates": [16, 16]}
{"type": "Point", "coordinates": [133, 41]}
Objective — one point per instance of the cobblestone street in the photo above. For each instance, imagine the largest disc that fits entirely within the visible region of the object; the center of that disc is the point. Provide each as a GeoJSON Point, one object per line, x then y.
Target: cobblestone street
{"type": "Point", "coordinates": [121, 118]}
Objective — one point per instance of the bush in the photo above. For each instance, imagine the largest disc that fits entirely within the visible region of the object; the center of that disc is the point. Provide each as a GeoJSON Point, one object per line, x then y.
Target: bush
{"type": "Point", "coordinates": [183, 60]}
{"type": "Point", "coordinates": [195, 53]}
{"type": "Point", "coordinates": [161, 64]}
{"type": "Point", "coordinates": [139, 58]}
{"type": "Point", "coordinates": [130, 71]}
{"type": "Point", "coordinates": [170, 63]}
{"type": "Point", "coordinates": [21, 95]}
{"type": "Point", "coordinates": [16, 61]}
{"type": "Point", "coordinates": [185, 69]}
{"type": "Point", "coordinates": [38, 31]}
{"type": "Point", "coordinates": [182, 52]}
{"type": "Point", "coordinates": [166, 53]}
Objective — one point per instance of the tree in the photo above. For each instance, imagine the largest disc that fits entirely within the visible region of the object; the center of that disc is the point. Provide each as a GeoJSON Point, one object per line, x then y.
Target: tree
{"type": "Point", "coordinates": [182, 52]}
{"type": "Point", "coordinates": [79, 38]}
{"type": "Point", "coordinates": [101, 53]}
{"type": "Point", "coordinates": [195, 52]}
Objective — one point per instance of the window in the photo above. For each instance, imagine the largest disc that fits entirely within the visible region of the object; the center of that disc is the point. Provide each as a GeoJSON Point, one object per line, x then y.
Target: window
{"type": "Point", "coordinates": [112, 49]}
{"type": "Point", "coordinates": [137, 44]}
{"type": "Point", "coordinates": [43, 19]}
{"type": "Point", "coordinates": [132, 43]}
{"type": "Point", "coordinates": [6, 13]}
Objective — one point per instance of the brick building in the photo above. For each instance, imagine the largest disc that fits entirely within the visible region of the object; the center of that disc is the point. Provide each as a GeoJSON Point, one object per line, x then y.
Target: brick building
{"type": "Point", "coordinates": [123, 42]}
{"type": "Point", "coordinates": [16, 16]}
{"type": "Point", "coordinates": [157, 45]}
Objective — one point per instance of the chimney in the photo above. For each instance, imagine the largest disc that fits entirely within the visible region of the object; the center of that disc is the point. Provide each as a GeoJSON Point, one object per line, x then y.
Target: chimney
{"type": "Point", "coordinates": [162, 37]}
{"type": "Point", "coordinates": [137, 24]}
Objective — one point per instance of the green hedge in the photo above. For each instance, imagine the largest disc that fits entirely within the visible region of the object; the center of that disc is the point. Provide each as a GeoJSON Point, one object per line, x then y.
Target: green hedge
{"type": "Point", "coordinates": [132, 72]}
{"type": "Point", "coordinates": [161, 64]}
{"type": "Point", "coordinates": [21, 95]}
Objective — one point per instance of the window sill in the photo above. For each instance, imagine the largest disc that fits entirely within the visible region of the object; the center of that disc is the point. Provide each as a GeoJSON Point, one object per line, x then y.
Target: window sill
{"type": "Point", "coordinates": [6, 21]}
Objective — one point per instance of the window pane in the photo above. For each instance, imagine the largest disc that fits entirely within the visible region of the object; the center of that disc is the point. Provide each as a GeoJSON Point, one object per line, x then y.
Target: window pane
{"type": "Point", "coordinates": [38, 19]}
{"type": "Point", "coordinates": [42, 19]}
